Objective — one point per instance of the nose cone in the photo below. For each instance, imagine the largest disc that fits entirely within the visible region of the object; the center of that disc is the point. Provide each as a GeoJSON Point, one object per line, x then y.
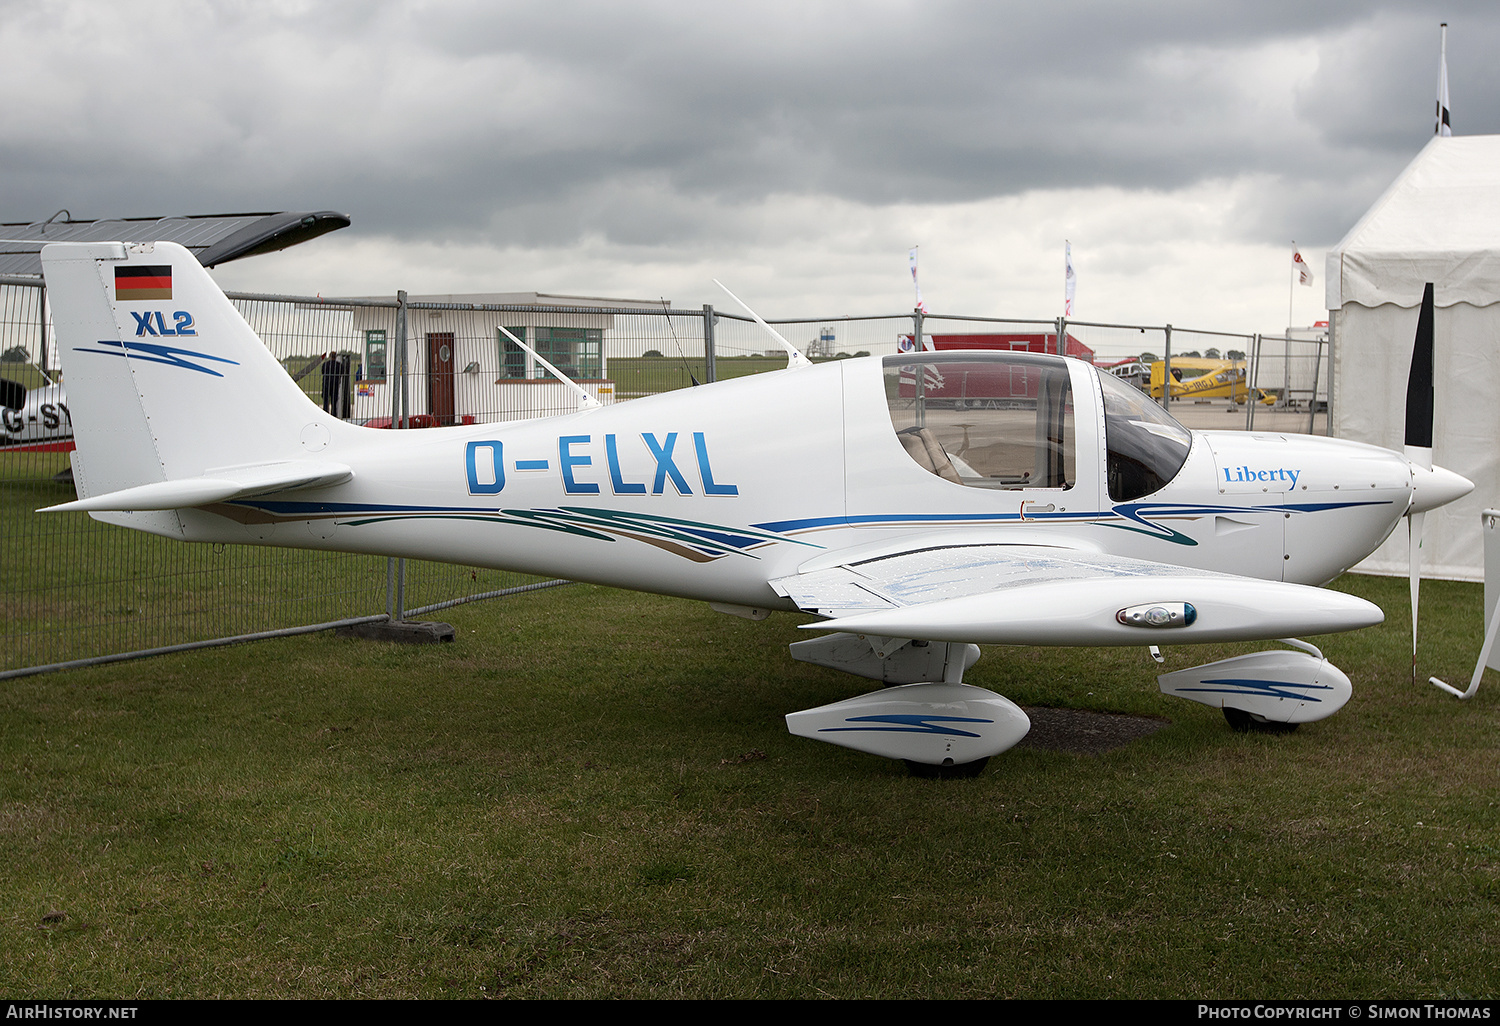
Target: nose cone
{"type": "Point", "coordinates": [1436, 487]}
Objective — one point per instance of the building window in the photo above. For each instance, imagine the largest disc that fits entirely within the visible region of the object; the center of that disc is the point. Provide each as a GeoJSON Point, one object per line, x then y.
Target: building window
{"type": "Point", "coordinates": [512, 357]}
{"type": "Point", "coordinates": [375, 355]}
{"type": "Point", "coordinates": [577, 352]}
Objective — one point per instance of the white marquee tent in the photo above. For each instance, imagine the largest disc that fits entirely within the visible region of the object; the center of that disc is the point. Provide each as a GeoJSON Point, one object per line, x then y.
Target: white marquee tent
{"type": "Point", "coordinates": [1439, 222]}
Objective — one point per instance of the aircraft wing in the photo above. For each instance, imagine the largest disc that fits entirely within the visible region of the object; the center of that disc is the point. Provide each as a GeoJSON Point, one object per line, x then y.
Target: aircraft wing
{"type": "Point", "coordinates": [1048, 595]}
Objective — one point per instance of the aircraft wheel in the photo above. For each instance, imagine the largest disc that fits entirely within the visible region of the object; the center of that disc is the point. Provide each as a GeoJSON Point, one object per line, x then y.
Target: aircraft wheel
{"type": "Point", "coordinates": [961, 771]}
{"type": "Point", "coordinates": [1242, 722]}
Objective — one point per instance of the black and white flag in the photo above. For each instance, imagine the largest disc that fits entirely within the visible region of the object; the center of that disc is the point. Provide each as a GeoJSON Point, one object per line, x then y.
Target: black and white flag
{"type": "Point", "coordinates": [1444, 121]}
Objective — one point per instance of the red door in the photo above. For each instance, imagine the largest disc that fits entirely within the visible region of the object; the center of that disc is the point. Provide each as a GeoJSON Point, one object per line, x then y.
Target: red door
{"type": "Point", "coordinates": [440, 376]}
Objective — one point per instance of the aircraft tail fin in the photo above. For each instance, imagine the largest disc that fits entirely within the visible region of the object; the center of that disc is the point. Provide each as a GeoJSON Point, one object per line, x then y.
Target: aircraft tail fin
{"type": "Point", "coordinates": [166, 381]}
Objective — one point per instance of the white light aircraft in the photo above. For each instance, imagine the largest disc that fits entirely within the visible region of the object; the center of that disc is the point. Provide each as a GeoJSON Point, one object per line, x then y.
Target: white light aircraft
{"type": "Point", "coordinates": [36, 418]}
{"type": "Point", "coordinates": [923, 504]}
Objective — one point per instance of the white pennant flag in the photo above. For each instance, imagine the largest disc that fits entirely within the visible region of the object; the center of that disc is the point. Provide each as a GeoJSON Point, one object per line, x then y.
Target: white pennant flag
{"type": "Point", "coordinates": [912, 258]}
{"type": "Point", "coordinates": [1070, 280]}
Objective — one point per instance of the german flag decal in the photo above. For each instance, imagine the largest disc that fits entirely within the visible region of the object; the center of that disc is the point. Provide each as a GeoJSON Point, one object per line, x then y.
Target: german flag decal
{"type": "Point", "coordinates": [142, 282]}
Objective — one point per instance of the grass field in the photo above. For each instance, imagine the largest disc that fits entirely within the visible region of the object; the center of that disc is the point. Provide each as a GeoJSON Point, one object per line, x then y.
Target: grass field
{"type": "Point", "coordinates": [592, 794]}
{"type": "Point", "coordinates": [26, 374]}
{"type": "Point", "coordinates": [643, 375]}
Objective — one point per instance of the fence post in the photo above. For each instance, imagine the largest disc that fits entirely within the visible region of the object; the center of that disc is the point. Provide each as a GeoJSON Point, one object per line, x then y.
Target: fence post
{"type": "Point", "coordinates": [1286, 374]}
{"type": "Point", "coordinates": [1062, 335]}
{"type": "Point", "coordinates": [709, 372]}
{"type": "Point", "coordinates": [401, 358]}
{"type": "Point", "coordinates": [1333, 321]}
{"type": "Point", "coordinates": [1312, 404]}
{"type": "Point", "coordinates": [41, 330]}
{"type": "Point", "coordinates": [1166, 375]}
{"type": "Point", "coordinates": [916, 329]}
{"type": "Point", "coordinates": [404, 421]}
{"type": "Point", "coordinates": [1252, 376]}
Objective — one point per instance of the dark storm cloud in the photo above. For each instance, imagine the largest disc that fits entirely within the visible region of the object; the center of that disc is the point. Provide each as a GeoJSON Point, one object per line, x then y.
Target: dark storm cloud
{"type": "Point", "coordinates": [523, 123]}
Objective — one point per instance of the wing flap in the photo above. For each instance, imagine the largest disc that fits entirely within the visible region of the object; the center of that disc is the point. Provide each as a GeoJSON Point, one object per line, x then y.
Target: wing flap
{"type": "Point", "coordinates": [833, 592]}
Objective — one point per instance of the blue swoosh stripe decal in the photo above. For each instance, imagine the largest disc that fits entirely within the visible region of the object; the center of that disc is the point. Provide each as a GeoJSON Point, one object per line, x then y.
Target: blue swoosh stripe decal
{"type": "Point", "coordinates": [1265, 688]}
{"type": "Point", "coordinates": [152, 352]}
{"type": "Point", "coordinates": [909, 723]}
{"type": "Point", "coordinates": [1141, 514]}
{"type": "Point", "coordinates": [714, 540]}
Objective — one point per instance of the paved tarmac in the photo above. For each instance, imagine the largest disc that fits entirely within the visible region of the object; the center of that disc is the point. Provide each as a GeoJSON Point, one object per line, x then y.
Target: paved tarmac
{"type": "Point", "coordinates": [1223, 416]}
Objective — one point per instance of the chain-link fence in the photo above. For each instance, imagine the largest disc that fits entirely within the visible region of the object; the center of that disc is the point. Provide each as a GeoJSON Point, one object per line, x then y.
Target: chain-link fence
{"type": "Point", "coordinates": [1294, 369]}
{"type": "Point", "coordinates": [80, 591]}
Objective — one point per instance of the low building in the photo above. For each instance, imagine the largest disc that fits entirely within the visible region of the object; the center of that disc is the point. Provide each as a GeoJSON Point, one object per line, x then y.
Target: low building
{"type": "Point", "coordinates": [462, 369]}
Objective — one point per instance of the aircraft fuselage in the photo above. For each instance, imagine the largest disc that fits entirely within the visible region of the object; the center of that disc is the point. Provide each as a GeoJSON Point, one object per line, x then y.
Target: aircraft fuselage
{"type": "Point", "coordinates": [711, 492]}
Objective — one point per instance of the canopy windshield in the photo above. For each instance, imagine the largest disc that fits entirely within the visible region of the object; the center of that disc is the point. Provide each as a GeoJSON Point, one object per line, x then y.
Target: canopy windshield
{"type": "Point", "coordinates": [1146, 446]}
{"type": "Point", "coordinates": [985, 419]}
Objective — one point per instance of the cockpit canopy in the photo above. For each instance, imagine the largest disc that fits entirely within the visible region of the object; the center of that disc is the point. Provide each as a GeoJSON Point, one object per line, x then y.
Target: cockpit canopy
{"type": "Point", "coordinates": [1003, 420]}
{"type": "Point", "coordinates": [985, 420]}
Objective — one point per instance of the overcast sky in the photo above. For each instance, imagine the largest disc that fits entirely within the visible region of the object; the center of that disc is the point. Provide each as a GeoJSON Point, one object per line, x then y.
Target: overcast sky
{"type": "Point", "coordinates": [794, 150]}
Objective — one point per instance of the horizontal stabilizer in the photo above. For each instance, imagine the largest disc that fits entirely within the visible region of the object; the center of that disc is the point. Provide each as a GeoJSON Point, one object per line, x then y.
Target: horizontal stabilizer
{"type": "Point", "coordinates": [219, 485]}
